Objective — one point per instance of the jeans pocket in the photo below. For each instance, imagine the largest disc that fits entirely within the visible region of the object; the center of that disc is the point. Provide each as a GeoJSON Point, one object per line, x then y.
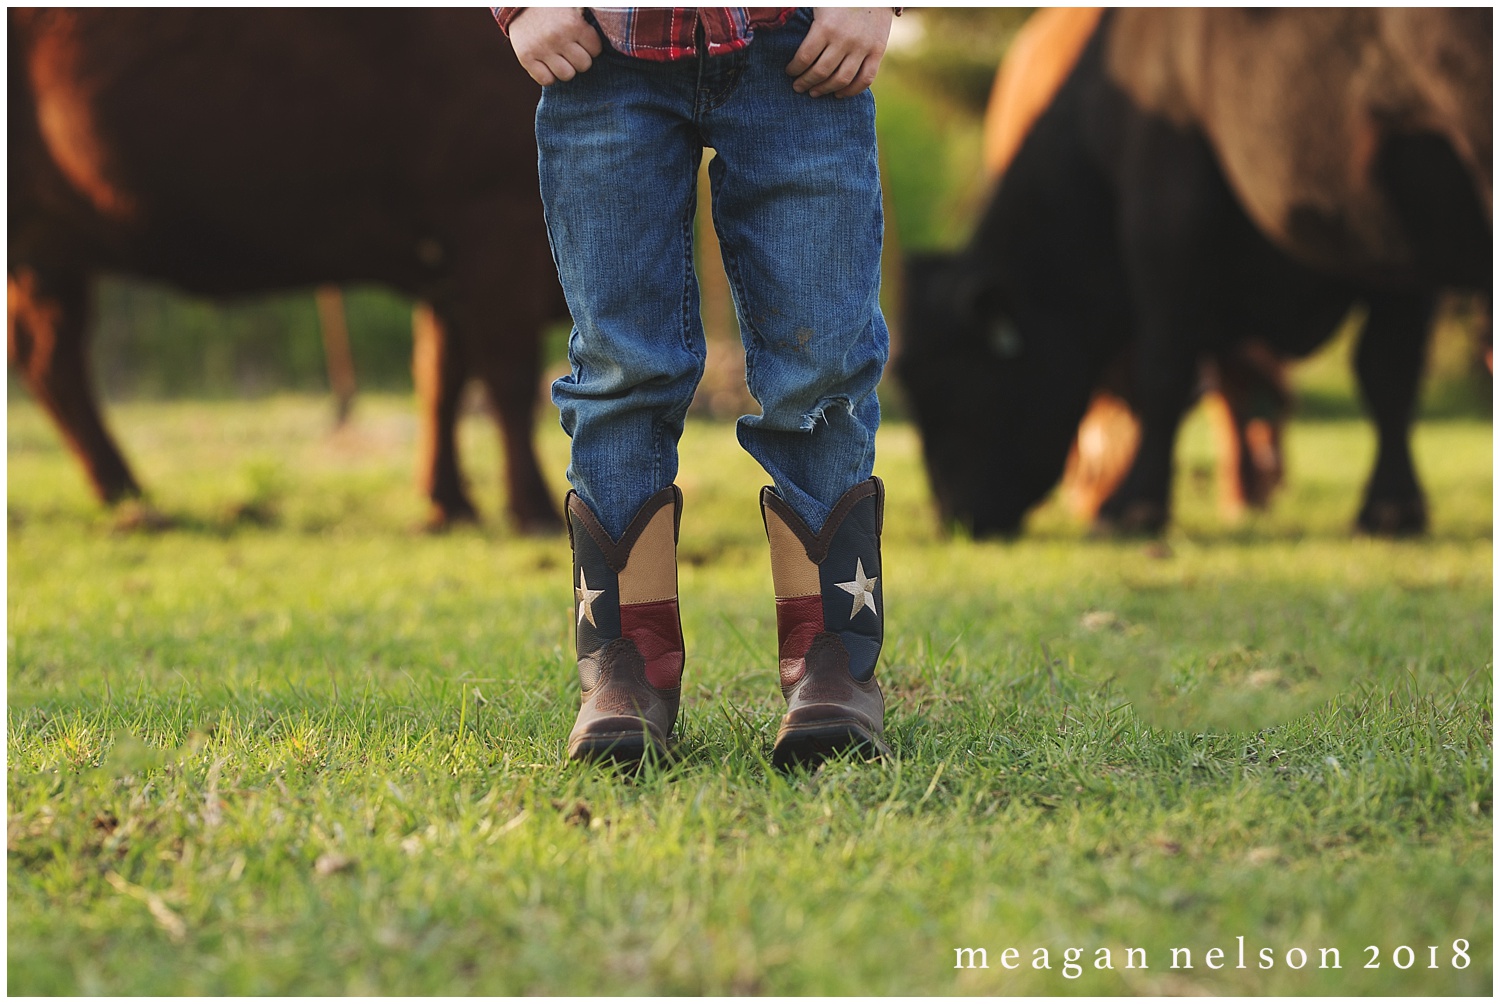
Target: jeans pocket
{"type": "Point", "coordinates": [609, 49]}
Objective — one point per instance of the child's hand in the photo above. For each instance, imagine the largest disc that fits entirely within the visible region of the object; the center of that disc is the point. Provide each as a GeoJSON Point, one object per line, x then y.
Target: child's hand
{"type": "Point", "coordinates": [841, 52]}
{"type": "Point", "coordinates": [554, 43]}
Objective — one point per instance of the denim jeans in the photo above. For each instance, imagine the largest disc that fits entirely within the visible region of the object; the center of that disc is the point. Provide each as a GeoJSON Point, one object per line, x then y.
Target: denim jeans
{"type": "Point", "coordinates": [796, 203]}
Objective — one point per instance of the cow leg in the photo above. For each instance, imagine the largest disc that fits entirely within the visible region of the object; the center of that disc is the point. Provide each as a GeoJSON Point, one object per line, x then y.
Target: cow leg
{"type": "Point", "coordinates": [512, 372]}
{"type": "Point", "coordinates": [502, 290]}
{"type": "Point", "coordinates": [47, 319]}
{"type": "Point", "coordinates": [1388, 364]}
{"type": "Point", "coordinates": [1164, 389]}
{"type": "Point", "coordinates": [513, 389]}
{"type": "Point", "coordinates": [510, 368]}
{"type": "Point", "coordinates": [1171, 328]}
{"type": "Point", "coordinates": [1252, 382]}
{"type": "Point", "coordinates": [1173, 225]}
{"type": "Point", "coordinates": [439, 374]}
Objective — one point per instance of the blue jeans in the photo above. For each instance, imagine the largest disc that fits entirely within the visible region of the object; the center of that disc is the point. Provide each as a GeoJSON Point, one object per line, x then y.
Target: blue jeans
{"type": "Point", "coordinates": [796, 203]}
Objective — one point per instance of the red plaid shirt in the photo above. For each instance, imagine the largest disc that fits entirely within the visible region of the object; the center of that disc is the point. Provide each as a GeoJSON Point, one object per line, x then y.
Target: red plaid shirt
{"type": "Point", "coordinates": [667, 33]}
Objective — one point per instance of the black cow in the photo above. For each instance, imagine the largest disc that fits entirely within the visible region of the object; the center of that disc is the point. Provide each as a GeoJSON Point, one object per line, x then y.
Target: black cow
{"type": "Point", "coordinates": [230, 152]}
{"type": "Point", "coordinates": [1202, 178]}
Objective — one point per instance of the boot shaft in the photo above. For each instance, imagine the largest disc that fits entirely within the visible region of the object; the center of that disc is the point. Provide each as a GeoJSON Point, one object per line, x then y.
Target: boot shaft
{"type": "Point", "coordinates": [627, 588]}
{"type": "Point", "coordinates": [829, 581]}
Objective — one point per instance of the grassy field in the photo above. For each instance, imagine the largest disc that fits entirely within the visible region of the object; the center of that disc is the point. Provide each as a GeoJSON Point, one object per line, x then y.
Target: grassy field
{"type": "Point", "coordinates": [293, 747]}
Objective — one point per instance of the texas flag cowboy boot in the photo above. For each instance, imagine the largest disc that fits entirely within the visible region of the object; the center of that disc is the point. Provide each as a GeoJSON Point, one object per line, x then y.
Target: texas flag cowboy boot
{"type": "Point", "coordinates": [829, 625]}
{"type": "Point", "coordinates": [628, 631]}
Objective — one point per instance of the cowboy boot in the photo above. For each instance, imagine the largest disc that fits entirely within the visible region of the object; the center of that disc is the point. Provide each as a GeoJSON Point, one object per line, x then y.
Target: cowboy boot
{"type": "Point", "coordinates": [628, 631]}
{"type": "Point", "coordinates": [829, 624]}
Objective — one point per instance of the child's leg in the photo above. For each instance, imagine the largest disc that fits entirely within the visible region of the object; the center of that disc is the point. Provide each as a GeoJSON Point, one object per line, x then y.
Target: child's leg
{"type": "Point", "coordinates": [618, 165]}
{"type": "Point", "coordinates": [796, 201]}
{"type": "Point", "coordinates": [797, 205]}
{"type": "Point", "coordinates": [618, 162]}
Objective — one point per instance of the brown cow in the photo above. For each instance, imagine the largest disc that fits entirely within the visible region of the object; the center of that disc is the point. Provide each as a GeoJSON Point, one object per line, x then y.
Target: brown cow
{"type": "Point", "coordinates": [232, 152]}
{"type": "Point", "coordinates": [1246, 396]}
{"type": "Point", "coordinates": [1204, 178]}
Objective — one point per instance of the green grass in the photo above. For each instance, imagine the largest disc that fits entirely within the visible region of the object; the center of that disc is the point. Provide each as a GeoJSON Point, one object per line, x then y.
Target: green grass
{"type": "Point", "coordinates": [294, 747]}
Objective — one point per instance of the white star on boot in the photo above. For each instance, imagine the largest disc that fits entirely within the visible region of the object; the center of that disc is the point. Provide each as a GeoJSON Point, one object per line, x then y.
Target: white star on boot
{"type": "Point", "coordinates": [586, 598]}
{"type": "Point", "coordinates": [862, 589]}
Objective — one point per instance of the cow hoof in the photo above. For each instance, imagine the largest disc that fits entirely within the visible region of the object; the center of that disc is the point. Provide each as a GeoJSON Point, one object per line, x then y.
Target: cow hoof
{"type": "Point", "coordinates": [137, 516]}
{"type": "Point", "coordinates": [1406, 518]}
{"type": "Point", "coordinates": [441, 520]}
{"type": "Point", "coordinates": [1137, 519]}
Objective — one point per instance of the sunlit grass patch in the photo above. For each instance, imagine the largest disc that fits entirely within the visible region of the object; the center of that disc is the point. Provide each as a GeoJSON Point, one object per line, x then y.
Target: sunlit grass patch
{"type": "Point", "coordinates": [294, 746]}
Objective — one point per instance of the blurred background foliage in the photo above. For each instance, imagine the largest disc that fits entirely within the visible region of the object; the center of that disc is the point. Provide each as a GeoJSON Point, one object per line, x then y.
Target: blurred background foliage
{"type": "Point", "coordinates": [153, 343]}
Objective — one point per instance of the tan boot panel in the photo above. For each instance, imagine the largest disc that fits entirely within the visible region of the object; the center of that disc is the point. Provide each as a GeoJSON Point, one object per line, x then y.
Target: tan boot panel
{"type": "Point", "coordinates": [650, 574]}
{"type": "Point", "coordinates": [792, 571]}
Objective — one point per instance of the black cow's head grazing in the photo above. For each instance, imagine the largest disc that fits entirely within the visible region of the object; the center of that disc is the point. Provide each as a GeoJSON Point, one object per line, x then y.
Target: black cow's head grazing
{"type": "Point", "coordinates": [997, 402]}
